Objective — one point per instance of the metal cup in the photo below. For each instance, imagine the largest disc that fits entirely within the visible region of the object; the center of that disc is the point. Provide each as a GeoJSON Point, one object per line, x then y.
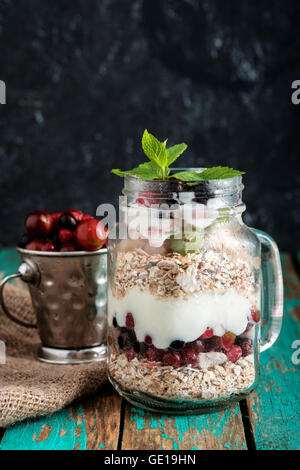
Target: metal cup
{"type": "Point", "coordinates": [69, 296]}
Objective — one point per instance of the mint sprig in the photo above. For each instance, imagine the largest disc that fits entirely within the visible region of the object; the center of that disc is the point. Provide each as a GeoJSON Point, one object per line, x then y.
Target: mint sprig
{"type": "Point", "coordinates": [161, 157]}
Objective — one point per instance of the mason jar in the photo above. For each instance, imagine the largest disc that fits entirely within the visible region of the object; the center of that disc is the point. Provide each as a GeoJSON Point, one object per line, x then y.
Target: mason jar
{"type": "Point", "coordinates": [194, 296]}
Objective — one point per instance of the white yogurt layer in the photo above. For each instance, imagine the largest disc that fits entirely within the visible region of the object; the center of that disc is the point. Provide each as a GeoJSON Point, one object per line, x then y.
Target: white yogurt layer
{"type": "Point", "coordinates": [182, 318]}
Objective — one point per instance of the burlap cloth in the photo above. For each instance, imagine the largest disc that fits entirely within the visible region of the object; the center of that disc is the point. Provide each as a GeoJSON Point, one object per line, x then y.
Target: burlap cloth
{"type": "Point", "coordinates": [29, 387]}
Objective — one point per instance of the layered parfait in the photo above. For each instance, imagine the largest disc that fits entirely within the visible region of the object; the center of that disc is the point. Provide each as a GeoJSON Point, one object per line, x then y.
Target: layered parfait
{"type": "Point", "coordinates": [183, 299]}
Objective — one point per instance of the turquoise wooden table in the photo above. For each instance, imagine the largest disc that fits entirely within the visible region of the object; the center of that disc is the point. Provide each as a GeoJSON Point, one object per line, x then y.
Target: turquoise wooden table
{"type": "Point", "coordinates": [267, 419]}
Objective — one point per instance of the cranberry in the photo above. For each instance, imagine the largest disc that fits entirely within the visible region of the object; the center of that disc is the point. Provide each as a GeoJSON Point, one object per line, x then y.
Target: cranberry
{"type": "Point", "coordinates": [36, 245]}
{"type": "Point", "coordinates": [246, 346]}
{"type": "Point", "coordinates": [213, 344]}
{"type": "Point", "coordinates": [190, 356]}
{"type": "Point", "coordinates": [154, 355]}
{"type": "Point", "coordinates": [177, 345]}
{"type": "Point", "coordinates": [91, 235]}
{"type": "Point", "coordinates": [197, 345]}
{"type": "Point", "coordinates": [255, 315]}
{"type": "Point", "coordinates": [25, 239]}
{"type": "Point", "coordinates": [148, 339]}
{"type": "Point", "coordinates": [130, 355]}
{"type": "Point", "coordinates": [48, 245]}
{"type": "Point", "coordinates": [115, 323]}
{"type": "Point", "coordinates": [65, 235]}
{"type": "Point", "coordinates": [172, 358]}
{"type": "Point", "coordinates": [207, 334]}
{"type": "Point", "coordinates": [129, 321]}
{"type": "Point", "coordinates": [70, 246]}
{"type": "Point", "coordinates": [234, 353]}
{"type": "Point", "coordinates": [67, 221]}
{"type": "Point", "coordinates": [39, 224]}
{"type": "Point", "coordinates": [227, 340]}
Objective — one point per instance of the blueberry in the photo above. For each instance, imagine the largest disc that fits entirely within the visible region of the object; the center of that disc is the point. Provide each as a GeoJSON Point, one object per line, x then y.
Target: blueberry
{"type": "Point", "coordinates": [24, 240]}
{"type": "Point", "coordinates": [137, 347]}
{"type": "Point", "coordinates": [115, 323]}
{"type": "Point", "coordinates": [177, 345]}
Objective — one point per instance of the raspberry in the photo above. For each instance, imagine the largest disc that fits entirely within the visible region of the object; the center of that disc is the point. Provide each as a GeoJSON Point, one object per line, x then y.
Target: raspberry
{"type": "Point", "coordinates": [190, 356]}
{"type": "Point", "coordinates": [234, 353]}
{"type": "Point", "coordinates": [129, 321]}
{"type": "Point", "coordinates": [172, 358]}
{"type": "Point", "coordinates": [207, 334]}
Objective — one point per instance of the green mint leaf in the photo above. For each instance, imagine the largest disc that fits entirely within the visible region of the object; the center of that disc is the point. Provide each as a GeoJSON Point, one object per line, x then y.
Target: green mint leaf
{"type": "Point", "coordinates": [175, 151]}
{"type": "Point", "coordinates": [214, 173]}
{"type": "Point", "coordinates": [154, 149]}
{"type": "Point", "coordinates": [148, 171]}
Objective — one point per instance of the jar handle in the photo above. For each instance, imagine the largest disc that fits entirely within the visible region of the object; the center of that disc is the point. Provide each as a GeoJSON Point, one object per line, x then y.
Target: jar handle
{"type": "Point", "coordinates": [28, 272]}
{"type": "Point", "coordinates": [271, 291]}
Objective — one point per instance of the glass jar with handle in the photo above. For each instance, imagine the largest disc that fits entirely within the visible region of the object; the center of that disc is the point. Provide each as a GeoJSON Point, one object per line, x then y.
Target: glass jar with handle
{"type": "Point", "coordinates": [194, 296]}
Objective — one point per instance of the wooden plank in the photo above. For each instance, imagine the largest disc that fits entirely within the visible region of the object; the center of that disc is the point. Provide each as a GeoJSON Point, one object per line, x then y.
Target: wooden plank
{"type": "Point", "coordinates": [92, 424]}
{"type": "Point", "coordinates": [274, 406]}
{"type": "Point", "coordinates": [145, 430]}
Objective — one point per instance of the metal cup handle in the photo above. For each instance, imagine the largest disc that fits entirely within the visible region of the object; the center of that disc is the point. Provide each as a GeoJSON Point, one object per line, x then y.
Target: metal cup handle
{"type": "Point", "coordinates": [28, 272]}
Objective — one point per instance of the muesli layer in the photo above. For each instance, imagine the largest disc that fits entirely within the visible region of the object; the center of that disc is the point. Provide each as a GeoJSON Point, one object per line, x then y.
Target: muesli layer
{"type": "Point", "coordinates": [174, 275]}
{"type": "Point", "coordinates": [220, 380]}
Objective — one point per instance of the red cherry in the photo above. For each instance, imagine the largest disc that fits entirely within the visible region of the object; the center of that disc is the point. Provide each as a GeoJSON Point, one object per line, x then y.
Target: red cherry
{"type": "Point", "coordinates": [227, 340]}
{"type": "Point", "coordinates": [87, 217]}
{"type": "Point", "coordinates": [36, 245]}
{"type": "Point", "coordinates": [207, 334]}
{"type": "Point", "coordinates": [39, 224]}
{"type": "Point", "coordinates": [190, 356]}
{"type": "Point", "coordinates": [48, 246]}
{"type": "Point", "coordinates": [172, 358]}
{"type": "Point", "coordinates": [70, 246]}
{"type": "Point", "coordinates": [154, 355]}
{"type": "Point", "coordinates": [129, 321]}
{"type": "Point", "coordinates": [148, 339]}
{"type": "Point", "coordinates": [91, 235]}
{"type": "Point", "coordinates": [65, 235]}
{"type": "Point", "coordinates": [131, 354]}
{"type": "Point", "coordinates": [255, 315]}
{"type": "Point", "coordinates": [234, 353]}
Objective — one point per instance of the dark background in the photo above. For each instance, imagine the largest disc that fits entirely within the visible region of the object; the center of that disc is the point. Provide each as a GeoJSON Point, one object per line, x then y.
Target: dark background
{"type": "Point", "coordinates": [84, 78]}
